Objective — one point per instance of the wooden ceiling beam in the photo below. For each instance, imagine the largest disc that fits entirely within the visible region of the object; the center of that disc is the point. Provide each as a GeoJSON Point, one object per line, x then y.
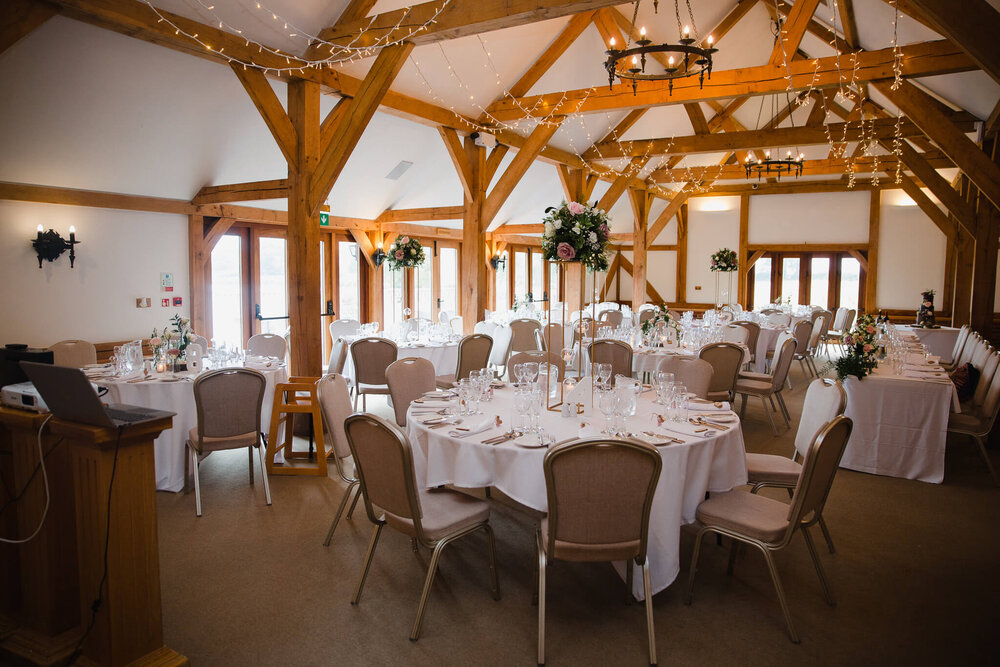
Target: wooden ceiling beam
{"type": "Point", "coordinates": [493, 161]}
{"type": "Point", "coordinates": [516, 169]}
{"type": "Point", "coordinates": [820, 30]}
{"type": "Point", "coordinates": [20, 18]}
{"type": "Point", "coordinates": [849, 23]}
{"type": "Point", "coordinates": [577, 24]}
{"type": "Point", "coordinates": [619, 130]}
{"type": "Point", "coordinates": [921, 59]}
{"type": "Point", "coordinates": [422, 214]}
{"type": "Point", "coordinates": [792, 31]}
{"type": "Point", "coordinates": [942, 189]}
{"type": "Point", "coordinates": [666, 215]}
{"type": "Point", "coordinates": [697, 116]}
{"type": "Point", "coordinates": [217, 194]}
{"type": "Point", "coordinates": [930, 209]}
{"type": "Point", "coordinates": [271, 110]}
{"type": "Point", "coordinates": [620, 185]}
{"type": "Point", "coordinates": [456, 19]}
{"type": "Point", "coordinates": [782, 187]}
{"type": "Point", "coordinates": [967, 156]}
{"type": "Point", "coordinates": [456, 151]}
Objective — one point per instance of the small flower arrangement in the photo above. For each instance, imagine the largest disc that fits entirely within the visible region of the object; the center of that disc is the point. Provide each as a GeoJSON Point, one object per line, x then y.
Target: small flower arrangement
{"type": "Point", "coordinates": [575, 232]}
{"type": "Point", "coordinates": [724, 260]}
{"type": "Point", "coordinates": [406, 252]}
{"type": "Point", "coordinates": [862, 350]}
{"type": "Point", "coordinates": [662, 315]}
{"type": "Point", "coordinates": [181, 333]}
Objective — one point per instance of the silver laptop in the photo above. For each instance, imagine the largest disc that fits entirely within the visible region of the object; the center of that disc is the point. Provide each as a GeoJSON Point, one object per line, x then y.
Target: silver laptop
{"type": "Point", "coordinates": [70, 396]}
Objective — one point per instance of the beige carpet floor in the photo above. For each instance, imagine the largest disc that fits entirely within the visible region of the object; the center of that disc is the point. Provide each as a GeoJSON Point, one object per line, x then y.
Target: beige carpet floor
{"type": "Point", "coordinates": [915, 576]}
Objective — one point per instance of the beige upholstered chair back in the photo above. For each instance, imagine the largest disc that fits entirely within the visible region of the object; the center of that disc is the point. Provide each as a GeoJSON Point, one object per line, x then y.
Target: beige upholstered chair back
{"type": "Point", "coordinates": [485, 327]}
{"type": "Point", "coordinates": [371, 356]}
{"type": "Point", "coordinates": [646, 315]}
{"type": "Point", "coordinates": [992, 400]}
{"type": "Point", "coordinates": [849, 320]}
{"type": "Point", "coordinates": [818, 470]}
{"type": "Point", "coordinates": [782, 362]}
{"type": "Point", "coordinates": [735, 334]}
{"type": "Point", "coordinates": [779, 319]}
{"type": "Point", "coordinates": [753, 333]}
{"type": "Point", "coordinates": [553, 337]}
{"type": "Point", "coordinates": [827, 321]}
{"type": "Point", "coordinates": [523, 334]}
{"type": "Point", "coordinates": [76, 353]}
{"type": "Point", "coordinates": [473, 354]}
{"type": "Point", "coordinates": [802, 331]}
{"type": "Point", "coordinates": [985, 379]}
{"type": "Point", "coordinates": [338, 357]}
{"type": "Point", "coordinates": [614, 352]}
{"type": "Point", "coordinates": [825, 399]}
{"type": "Point", "coordinates": [971, 345]}
{"type": "Point", "coordinates": [612, 318]}
{"type": "Point", "coordinates": [267, 345]}
{"type": "Point", "coordinates": [726, 360]}
{"type": "Point", "coordinates": [501, 345]}
{"type": "Point", "coordinates": [815, 315]}
{"type": "Point", "coordinates": [981, 354]}
{"type": "Point", "coordinates": [335, 404]}
{"type": "Point", "coordinates": [960, 341]}
{"type": "Point", "coordinates": [769, 311]}
{"type": "Point", "coordinates": [384, 463]}
{"type": "Point", "coordinates": [693, 373]}
{"type": "Point", "coordinates": [600, 493]}
{"type": "Point", "coordinates": [538, 357]}
{"type": "Point", "coordinates": [839, 316]}
{"type": "Point", "coordinates": [819, 326]}
{"type": "Point", "coordinates": [228, 402]}
{"type": "Point", "coordinates": [408, 379]}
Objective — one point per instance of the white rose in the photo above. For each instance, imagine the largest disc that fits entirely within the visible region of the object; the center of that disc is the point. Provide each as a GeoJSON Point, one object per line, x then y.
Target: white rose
{"type": "Point", "coordinates": [557, 224]}
{"type": "Point", "coordinates": [576, 229]}
{"type": "Point", "coordinates": [549, 227]}
{"type": "Point", "coordinates": [593, 237]}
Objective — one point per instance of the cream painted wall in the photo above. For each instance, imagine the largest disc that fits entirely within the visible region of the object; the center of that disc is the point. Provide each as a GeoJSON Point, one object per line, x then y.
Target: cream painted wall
{"type": "Point", "coordinates": [661, 273]}
{"type": "Point", "coordinates": [840, 217]}
{"type": "Point", "coordinates": [120, 257]}
{"type": "Point", "coordinates": [911, 258]}
{"type": "Point", "coordinates": [713, 223]}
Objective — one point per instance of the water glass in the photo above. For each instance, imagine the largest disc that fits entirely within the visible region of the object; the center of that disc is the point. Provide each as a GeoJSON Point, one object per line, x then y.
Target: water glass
{"type": "Point", "coordinates": [603, 373]}
{"type": "Point", "coordinates": [607, 401]}
{"type": "Point", "coordinates": [678, 405]}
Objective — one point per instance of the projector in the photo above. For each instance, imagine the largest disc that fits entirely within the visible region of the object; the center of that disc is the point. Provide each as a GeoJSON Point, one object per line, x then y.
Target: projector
{"type": "Point", "coordinates": [484, 140]}
{"type": "Point", "coordinates": [23, 395]}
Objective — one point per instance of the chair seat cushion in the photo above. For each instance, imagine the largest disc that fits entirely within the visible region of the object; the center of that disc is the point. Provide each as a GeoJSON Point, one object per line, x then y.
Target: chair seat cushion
{"type": "Point", "coordinates": [445, 512]}
{"type": "Point", "coordinates": [717, 396]}
{"type": "Point", "coordinates": [744, 386]}
{"type": "Point", "coordinates": [749, 375]}
{"type": "Point", "coordinates": [772, 469]}
{"type": "Point", "coordinates": [748, 514]}
{"type": "Point", "coordinates": [575, 551]}
{"type": "Point", "coordinates": [373, 388]}
{"type": "Point", "coordinates": [967, 423]}
{"type": "Point", "coordinates": [445, 381]}
{"type": "Point", "coordinates": [217, 444]}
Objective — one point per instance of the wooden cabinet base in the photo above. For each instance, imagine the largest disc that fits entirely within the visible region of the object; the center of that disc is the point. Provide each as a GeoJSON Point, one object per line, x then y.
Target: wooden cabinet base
{"type": "Point", "coordinates": [26, 646]}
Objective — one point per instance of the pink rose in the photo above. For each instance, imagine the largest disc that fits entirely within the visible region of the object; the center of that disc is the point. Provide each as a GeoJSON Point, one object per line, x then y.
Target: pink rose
{"type": "Point", "coordinates": [174, 352]}
{"type": "Point", "coordinates": [155, 341]}
{"type": "Point", "coordinates": [927, 304]}
{"type": "Point", "coordinates": [399, 254]}
{"type": "Point", "coordinates": [605, 232]}
{"type": "Point", "coordinates": [870, 329]}
{"type": "Point", "coordinates": [575, 207]}
{"type": "Point", "coordinates": [565, 251]}
{"type": "Point", "coordinates": [405, 239]}
{"type": "Point", "coordinates": [867, 347]}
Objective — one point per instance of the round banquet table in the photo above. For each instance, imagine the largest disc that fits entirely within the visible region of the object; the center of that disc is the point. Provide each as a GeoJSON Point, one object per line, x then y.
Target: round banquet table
{"type": "Point", "coordinates": [444, 356]}
{"type": "Point", "coordinates": [169, 449]}
{"type": "Point", "coordinates": [701, 464]}
{"type": "Point", "coordinates": [647, 360]}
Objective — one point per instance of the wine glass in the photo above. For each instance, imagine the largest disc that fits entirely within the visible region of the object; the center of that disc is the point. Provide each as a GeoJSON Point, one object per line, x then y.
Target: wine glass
{"type": "Point", "coordinates": [519, 373]}
{"type": "Point", "coordinates": [603, 373]}
{"type": "Point", "coordinates": [530, 371]}
{"type": "Point", "coordinates": [607, 400]}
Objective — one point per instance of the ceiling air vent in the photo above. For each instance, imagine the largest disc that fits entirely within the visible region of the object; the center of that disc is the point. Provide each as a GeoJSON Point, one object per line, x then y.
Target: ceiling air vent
{"type": "Point", "coordinates": [398, 170]}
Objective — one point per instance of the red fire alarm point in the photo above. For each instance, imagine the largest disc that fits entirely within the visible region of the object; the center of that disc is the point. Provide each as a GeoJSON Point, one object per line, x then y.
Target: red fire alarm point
{"type": "Point", "coordinates": [165, 303]}
{"type": "Point", "coordinates": [178, 300]}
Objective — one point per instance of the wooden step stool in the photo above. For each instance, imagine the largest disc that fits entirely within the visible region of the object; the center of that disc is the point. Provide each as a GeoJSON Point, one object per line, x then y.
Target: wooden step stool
{"type": "Point", "coordinates": [297, 396]}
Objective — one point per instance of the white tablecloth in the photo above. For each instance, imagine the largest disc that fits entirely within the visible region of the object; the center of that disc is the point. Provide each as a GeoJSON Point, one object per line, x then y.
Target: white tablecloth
{"type": "Point", "coordinates": [444, 356]}
{"type": "Point", "coordinates": [169, 449]}
{"type": "Point", "coordinates": [939, 342]}
{"type": "Point", "coordinates": [690, 470]}
{"type": "Point", "coordinates": [900, 425]}
{"type": "Point", "coordinates": [646, 360]}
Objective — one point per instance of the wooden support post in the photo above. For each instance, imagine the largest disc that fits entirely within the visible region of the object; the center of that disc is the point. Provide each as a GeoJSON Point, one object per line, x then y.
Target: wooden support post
{"type": "Point", "coordinates": [199, 278]}
{"type": "Point", "coordinates": [744, 270]}
{"type": "Point", "coordinates": [984, 281]}
{"type": "Point", "coordinates": [682, 253]}
{"type": "Point", "coordinates": [473, 292]}
{"type": "Point", "coordinates": [965, 254]}
{"type": "Point", "coordinates": [874, 226]}
{"type": "Point", "coordinates": [303, 233]}
{"type": "Point", "coordinates": [641, 202]}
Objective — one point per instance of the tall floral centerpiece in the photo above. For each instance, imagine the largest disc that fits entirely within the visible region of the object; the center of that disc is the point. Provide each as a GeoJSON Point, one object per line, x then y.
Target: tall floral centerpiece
{"type": "Point", "coordinates": [724, 261]}
{"type": "Point", "coordinates": [575, 232]}
{"type": "Point", "coordinates": [405, 253]}
{"type": "Point", "coordinates": [925, 316]}
{"type": "Point", "coordinates": [862, 350]}
{"type": "Point", "coordinates": [661, 316]}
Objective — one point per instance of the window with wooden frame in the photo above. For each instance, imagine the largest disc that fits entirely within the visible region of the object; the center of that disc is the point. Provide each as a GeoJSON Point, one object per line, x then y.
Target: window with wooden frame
{"type": "Point", "coordinates": [530, 274]}
{"type": "Point", "coordinates": [827, 278]}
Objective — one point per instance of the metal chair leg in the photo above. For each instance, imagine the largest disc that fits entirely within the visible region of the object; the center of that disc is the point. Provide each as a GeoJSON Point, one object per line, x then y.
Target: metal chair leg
{"type": "Point", "coordinates": [357, 497]}
{"type": "Point", "coordinates": [986, 457]}
{"type": "Point", "coordinates": [542, 564]}
{"type": "Point", "coordinates": [368, 563]}
{"type": "Point", "coordinates": [629, 570]}
{"type": "Point", "coordinates": [689, 594]}
{"type": "Point", "coordinates": [340, 511]}
{"type": "Point", "coordinates": [784, 409]}
{"type": "Point", "coordinates": [491, 543]}
{"type": "Point", "coordinates": [819, 567]}
{"type": "Point", "coordinates": [428, 582]}
{"type": "Point", "coordinates": [743, 407]}
{"type": "Point", "coordinates": [774, 429]}
{"type": "Point", "coordinates": [197, 481]}
{"type": "Point", "coordinates": [250, 452]}
{"type": "Point", "coordinates": [648, 590]}
{"type": "Point", "coordinates": [262, 452]}
{"type": "Point", "coordinates": [792, 634]}
{"type": "Point", "coordinates": [826, 535]}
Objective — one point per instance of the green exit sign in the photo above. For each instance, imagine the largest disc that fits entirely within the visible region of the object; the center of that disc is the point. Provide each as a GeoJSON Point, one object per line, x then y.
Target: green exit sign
{"type": "Point", "coordinates": [324, 219]}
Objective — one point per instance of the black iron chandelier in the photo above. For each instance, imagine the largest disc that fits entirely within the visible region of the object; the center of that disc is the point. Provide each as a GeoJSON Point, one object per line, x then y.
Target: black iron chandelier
{"type": "Point", "coordinates": [684, 59]}
{"type": "Point", "coordinates": [776, 167]}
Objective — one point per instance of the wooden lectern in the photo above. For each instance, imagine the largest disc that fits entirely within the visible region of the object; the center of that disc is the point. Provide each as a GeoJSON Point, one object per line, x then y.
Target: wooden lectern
{"type": "Point", "coordinates": [128, 625]}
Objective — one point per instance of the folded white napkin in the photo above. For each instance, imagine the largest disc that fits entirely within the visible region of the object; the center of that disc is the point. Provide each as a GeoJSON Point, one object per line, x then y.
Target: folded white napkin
{"type": "Point", "coordinates": [687, 429]}
{"type": "Point", "coordinates": [428, 403]}
{"type": "Point", "coordinates": [920, 360]}
{"type": "Point", "coordinates": [589, 431]}
{"type": "Point", "coordinates": [474, 428]}
{"type": "Point", "coordinates": [708, 407]}
{"type": "Point", "coordinates": [910, 373]}
{"type": "Point", "coordinates": [926, 368]}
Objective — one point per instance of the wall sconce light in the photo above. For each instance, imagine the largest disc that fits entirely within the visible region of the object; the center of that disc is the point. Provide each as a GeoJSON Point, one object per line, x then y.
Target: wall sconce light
{"type": "Point", "coordinates": [378, 257]}
{"type": "Point", "coordinates": [496, 261]}
{"type": "Point", "coordinates": [50, 245]}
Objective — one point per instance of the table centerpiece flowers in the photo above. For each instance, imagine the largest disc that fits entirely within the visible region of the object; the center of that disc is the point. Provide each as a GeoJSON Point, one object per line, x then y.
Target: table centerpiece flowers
{"type": "Point", "coordinates": [661, 315]}
{"type": "Point", "coordinates": [724, 261]}
{"type": "Point", "coordinates": [925, 316]}
{"type": "Point", "coordinates": [405, 253]}
{"type": "Point", "coordinates": [862, 350]}
{"type": "Point", "coordinates": [576, 232]}
{"type": "Point", "coordinates": [170, 344]}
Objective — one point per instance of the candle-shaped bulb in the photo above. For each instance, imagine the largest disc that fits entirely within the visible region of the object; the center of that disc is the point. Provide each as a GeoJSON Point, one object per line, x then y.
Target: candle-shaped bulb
{"type": "Point", "coordinates": [72, 229]}
{"type": "Point", "coordinates": [611, 42]}
{"type": "Point", "coordinates": [711, 40]}
{"type": "Point", "coordinates": [767, 154]}
{"type": "Point", "coordinates": [40, 229]}
{"type": "Point", "coordinates": [687, 30]}
{"type": "Point", "coordinates": [801, 156]}
{"type": "Point", "coordinates": [670, 61]}
{"type": "Point", "coordinates": [642, 32]}
{"type": "Point", "coordinates": [789, 153]}
{"type": "Point", "coordinates": [635, 60]}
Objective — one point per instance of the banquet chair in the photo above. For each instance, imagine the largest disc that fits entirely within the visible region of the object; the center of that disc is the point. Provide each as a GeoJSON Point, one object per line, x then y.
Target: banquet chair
{"type": "Point", "coordinates": [228, 404]}
{"type": "Point", "coordinates": [335, 405]}
{"type": "Point", "coordinates": [267, 345]}
{"type": "Point", "coordinates": [457, 324]}
{"type": "Point", "coordinates": [825, 399]}
{"type": "Point", "coordinates": [972, 345]}
{"type": "Point", "coordinates": [371, 356]}
{"type": "Point", "coordinates": [338, 351]}
{"type": "Point", "coordinates": [473, 354]}
{"type": "Point", "coordinates": [695, 374]}
{"type": "Point", "coordinates": [779, 319]}
{"type": "Point", "coordinates": [769, 386]}
{"type": "Point", "coordinates": [801, 332]}
{"type": "Point", "coordinates": [769, 311]}
{"type": "Point", "coordinates": [753, 335]}
{"type": "Point", "coordinates": [726, 360]}
{"type": "Point", "coordinates": [552, 337]}
{"type": "Point", "coordinates": [827, 318]}
{"type": "Point", "coordinates": [78, 353]}
{"type": "Point", "coordinates": [770, 524]}
{"type": "Point", "coordinates": [978, 423]}
{"type": "Point", "coordinates": [501, 336]}
{"type": "Point", "coordinates": [815, 336]}
{"type": "Point", "coordinates": [960, 341]}
{"type": "Point", "coordinates": [614, 352]}
{"type": "Point", "coordinates": [734, 334]}
{"type": "Point", "coordinates": [523, 334]}
{"type": "Point", "coordinates": [610, 318]}
{"type": "Point", "coordinates": [408, 378]}
{"type": "Point", "coordinates": [646, 315]}
{"type": "Point", "coordinates": [835, 335]}
{"type": "Point", "coordinates": [383, 459]}
{"type": "Point", "coordinates": [538, 357]}
{"type": "Point", "coordinates": [600, 494]}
